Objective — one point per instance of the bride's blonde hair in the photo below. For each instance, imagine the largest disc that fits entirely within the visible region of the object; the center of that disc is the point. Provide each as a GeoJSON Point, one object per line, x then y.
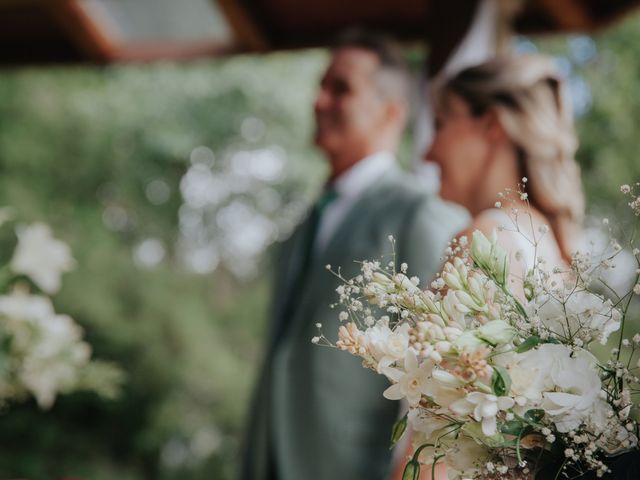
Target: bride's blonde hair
{"type": "Point", "coordinates": [530, 101]}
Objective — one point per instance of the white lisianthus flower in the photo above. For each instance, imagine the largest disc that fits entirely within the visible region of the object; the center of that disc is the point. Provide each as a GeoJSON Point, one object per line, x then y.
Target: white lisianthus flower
{"type": "Point", "coordinates": [579, 387]}
{"type": "Point", "coordinates": [386, 346]}
{"type": "Point", "coordinates": [410, 383]}
{"type": "Point", "coordinates": [41, 257]}
{"type": "Point", "coordinates": [579, 312]}
{"type": "Point", "coordinates": [527, 383]}
{"type": "Point", "coordinates": [496, 332]}
{"type": "Point", "coordinates": [549, 377]}
{"type": "Point", "coordinates": [484, 407]}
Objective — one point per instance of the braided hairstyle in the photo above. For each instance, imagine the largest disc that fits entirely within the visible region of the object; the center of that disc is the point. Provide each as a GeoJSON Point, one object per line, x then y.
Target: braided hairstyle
{"type": "Point", "coordinates": [529, 98]}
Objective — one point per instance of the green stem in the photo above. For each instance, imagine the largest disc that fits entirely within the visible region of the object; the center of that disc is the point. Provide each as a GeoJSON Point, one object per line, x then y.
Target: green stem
{"type": "Point", "coordinates": [623, 321]}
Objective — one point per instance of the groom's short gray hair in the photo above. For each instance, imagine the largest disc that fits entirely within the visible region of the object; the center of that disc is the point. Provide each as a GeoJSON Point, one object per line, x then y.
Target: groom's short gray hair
{"type": "Point", "coordinates": [393, 77]}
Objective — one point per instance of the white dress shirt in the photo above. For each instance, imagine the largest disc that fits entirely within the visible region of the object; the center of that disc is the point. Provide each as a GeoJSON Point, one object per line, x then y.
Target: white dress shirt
{"type": "Point", "coordinates": [349, 187]}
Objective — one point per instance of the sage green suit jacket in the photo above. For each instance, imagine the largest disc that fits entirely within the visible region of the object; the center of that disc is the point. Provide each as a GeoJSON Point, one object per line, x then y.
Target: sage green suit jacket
{"type": "Point", "coordinates": [317, 413]}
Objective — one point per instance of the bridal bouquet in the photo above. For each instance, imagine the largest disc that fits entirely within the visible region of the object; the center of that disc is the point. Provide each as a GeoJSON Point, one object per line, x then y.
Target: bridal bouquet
{"type": "Point", "coordinates": [498, 375]}
{"type": "Point", "coordinates": [42, 352]}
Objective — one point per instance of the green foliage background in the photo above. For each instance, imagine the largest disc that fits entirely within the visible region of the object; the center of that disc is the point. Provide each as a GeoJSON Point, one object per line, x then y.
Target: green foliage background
{"type": "Point", "coordinates": [75, 141]}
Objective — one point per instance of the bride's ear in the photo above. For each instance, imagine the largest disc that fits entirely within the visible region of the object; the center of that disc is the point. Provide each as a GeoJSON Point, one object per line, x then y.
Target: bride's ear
{"type": "Point", "coordinates": [494, 129]}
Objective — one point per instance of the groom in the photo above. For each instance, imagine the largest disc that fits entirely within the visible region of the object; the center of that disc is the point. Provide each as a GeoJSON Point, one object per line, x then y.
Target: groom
{"type": "Point", "coordinates": [317, 414]}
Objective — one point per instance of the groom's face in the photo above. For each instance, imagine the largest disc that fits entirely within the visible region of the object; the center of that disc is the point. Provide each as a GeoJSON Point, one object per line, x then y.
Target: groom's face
{"type": "Point", "coordinates": [349, 108]}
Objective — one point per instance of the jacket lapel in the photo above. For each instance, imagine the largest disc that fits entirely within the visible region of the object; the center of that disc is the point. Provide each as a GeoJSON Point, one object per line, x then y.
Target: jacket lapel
{"type": "Point", "coordinates": [355, 214]}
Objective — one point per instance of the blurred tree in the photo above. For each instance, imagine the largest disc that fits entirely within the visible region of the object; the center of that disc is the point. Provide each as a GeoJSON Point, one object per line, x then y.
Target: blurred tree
{"type": "Point", "coordinates": [102, 154]}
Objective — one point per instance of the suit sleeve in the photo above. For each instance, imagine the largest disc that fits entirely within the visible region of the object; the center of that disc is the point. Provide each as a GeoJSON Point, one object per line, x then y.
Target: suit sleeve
{"type": "Point", "coordinates": [431, 225]}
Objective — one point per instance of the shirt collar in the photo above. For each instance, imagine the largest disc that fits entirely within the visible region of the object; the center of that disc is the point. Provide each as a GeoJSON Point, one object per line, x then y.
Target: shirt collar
{"type": "Point", "coordinates": [355, 180]}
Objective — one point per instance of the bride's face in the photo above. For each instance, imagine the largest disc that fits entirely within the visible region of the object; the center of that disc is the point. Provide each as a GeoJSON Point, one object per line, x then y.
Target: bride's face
{"type": "Point", "coordinates": [461, 148]}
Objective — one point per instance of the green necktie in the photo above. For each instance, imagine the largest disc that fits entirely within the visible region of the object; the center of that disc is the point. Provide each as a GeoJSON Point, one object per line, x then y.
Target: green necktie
{"type": "Point", "coordinates": [328, 196]}
{"type": "Point", "coordinates": [302, 273]}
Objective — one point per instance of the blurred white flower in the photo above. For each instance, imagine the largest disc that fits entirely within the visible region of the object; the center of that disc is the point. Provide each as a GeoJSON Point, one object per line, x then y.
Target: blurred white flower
{"type": "Point", "coordinates": [46, 347]}
{"type": "Point", "coordinates": [41, 257]}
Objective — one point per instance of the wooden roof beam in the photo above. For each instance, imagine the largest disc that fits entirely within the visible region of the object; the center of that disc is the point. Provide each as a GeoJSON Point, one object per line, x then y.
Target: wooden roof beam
{"type": "Point", "coordinates": [90, 39]}
{"type": "Point", "coordinates": [246, 30]}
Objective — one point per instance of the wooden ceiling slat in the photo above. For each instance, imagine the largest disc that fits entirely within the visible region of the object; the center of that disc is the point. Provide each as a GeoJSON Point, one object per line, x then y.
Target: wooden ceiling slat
{"type": "Point", "coordinates": [36, 31]}
{"type": "Point", "coordinates": [150, 51]}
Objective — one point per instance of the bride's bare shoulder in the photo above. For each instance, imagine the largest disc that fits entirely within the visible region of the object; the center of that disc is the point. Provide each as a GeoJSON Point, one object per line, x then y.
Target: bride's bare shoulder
{"type": "Point", "coordinates": [486, 221]}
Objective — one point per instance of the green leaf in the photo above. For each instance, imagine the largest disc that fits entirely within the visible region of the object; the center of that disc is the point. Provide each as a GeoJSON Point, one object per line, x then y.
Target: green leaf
{"type": "Point", "coordinates": [535, 415]}
{"type": "Point", "coordinates": [495, 441]}
{"type": "Point", "coordinates": [501, 381]}
{"type": "Point", "coordinates": [513, 427]}
{"type": "Point", "coordinates": [528, 344]}
{"type": "Point", "coordinates": [398, 430]}
{"type": "Point", "coordinates": [411, 471]}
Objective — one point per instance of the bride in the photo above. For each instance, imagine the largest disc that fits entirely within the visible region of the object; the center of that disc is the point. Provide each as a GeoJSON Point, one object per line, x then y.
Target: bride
{"type": "Point", "coordinates": [499, 123]}
{"type": "Point", "coordinates": [506, 125]}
